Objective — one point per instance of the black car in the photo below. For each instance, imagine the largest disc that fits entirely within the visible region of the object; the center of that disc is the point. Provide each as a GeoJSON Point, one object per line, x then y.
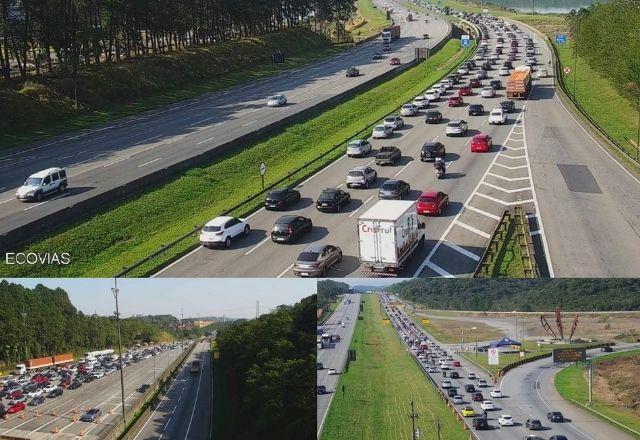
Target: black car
{"type": "Point", "coordinates": [555, 416]}
{"type": "Point", "coordinates": [142, 388]}
{"type": "Point", "coordinates": [388, 155]}
{"type": "Point", "coordinates": [534, 424]}
{"type": "Point", "coordinates": [321, 389]}
{"type": "Point", "coordinates": [38, 400]}
{"type": "Point", "coordinates": [281, 198]}
{"type": "Point", "coordinates": [352, 71]}
{"type": "Point", "coordinates": [431, 150]}
{"type": "Point", "coordinates": [508, 64]}
{"type": "Point", "coordinates": [451, 392]}
{"type": "Point", "coordinates": [469, 388]}
{"type": "Point", "coordinates": [290, 227]}
{"type": "Point", "coordinates": [558, 437]}
{"type": "Point", "coordinates": [92, 415]}
{"type": "Point", "coordinates": [55, 393]}
{"type": "Point", "coordinates": [3, 410]}
{"type": "Point", "coordinates": [332, 199]}
{"type": "Point", "coordinates": [88, 378]}
{"type": "Point", "coordinates": [480, 423]}
{"type": "Point", "coordinates": [454, 78]}
{"type": "Point", "coordinates": [508, 106]}
{"type": "Point", "coordinates": [377, 56]}
{"type": "Point", "coordinates": [454, 375]}
{"type": "Point", "coordinates": [432, 117]}
{"type": "Point", "coordinates": [486, 65]}
{"type": "Point", "coordinates": [476, 109]}
{"type": "Point", "coordinates": [496, 84]}
{"type": "Point", "coordinates": [394, 189]}
{"type": "Point", "coordinates": [75, 384]}
{"type": "Point", "coordinates": [606, 349]}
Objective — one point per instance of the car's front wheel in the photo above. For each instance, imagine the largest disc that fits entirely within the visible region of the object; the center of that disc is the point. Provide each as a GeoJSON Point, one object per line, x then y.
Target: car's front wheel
{"type": "Point", "coordinates": [227, 242]}
{"type": "Point", "coordinates": [247, 230]}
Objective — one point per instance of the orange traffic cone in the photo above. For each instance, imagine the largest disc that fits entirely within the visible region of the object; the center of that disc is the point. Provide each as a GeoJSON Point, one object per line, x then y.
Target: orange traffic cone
{"type": "Point", "coordinates": [81, 434]}
{"type": "Point", "coordinates": [55, 429]}
{"type": "Point", "coordinates": [21, 416]}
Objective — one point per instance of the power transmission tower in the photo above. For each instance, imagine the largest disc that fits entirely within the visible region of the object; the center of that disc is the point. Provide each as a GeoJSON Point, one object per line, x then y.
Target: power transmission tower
{"type": "Point", "coordinates": [413, 416]}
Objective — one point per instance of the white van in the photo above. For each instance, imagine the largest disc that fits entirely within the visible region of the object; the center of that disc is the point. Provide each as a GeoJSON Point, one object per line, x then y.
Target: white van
{"type": "Point", "coordinates": [42, 183]}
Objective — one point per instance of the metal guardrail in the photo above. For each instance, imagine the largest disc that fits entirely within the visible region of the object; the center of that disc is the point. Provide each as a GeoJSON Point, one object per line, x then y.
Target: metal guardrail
{"type": "Point", "coordinates": [306, 173]}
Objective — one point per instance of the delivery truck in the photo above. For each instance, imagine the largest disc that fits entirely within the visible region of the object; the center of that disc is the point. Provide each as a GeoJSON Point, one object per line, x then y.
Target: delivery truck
{"type": "Point", "coordinates": [519, 83]}
{"type": "Point", "coordinates": [195, 367]}
{"type": "Point", "coordinates": [390, 34]}
{"type": "Point", "coordinates": [48, 361]}
{"type": "Point", "coordinates": [388, 234]}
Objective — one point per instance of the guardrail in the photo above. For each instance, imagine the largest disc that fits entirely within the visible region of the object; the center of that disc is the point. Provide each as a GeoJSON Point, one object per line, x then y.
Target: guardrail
{"type": "Point", "coordinates": [307, 169]}
{"type": "Point", "coordinates": [607, 418]}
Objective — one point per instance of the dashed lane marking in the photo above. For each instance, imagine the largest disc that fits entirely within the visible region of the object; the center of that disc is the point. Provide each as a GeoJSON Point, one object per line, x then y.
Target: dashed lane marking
{"type": "Point", "coordinates": [508, 179]}
{"type": "Point", "coordinates": [509, 191]}
{"type": "Point", "coordinates": [472, 229]}
{"type": "Point", "coordinates": [502, 202]}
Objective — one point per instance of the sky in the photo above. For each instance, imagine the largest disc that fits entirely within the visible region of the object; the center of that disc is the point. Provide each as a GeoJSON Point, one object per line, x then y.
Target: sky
{"type": "Point", "coordinates": [231, 297]}
{"type": "Point", "coordinates": [370, 281]}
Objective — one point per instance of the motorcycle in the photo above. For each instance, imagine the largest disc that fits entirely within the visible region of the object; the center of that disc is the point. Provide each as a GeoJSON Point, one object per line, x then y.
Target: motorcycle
{"type": "Point", "coordinates": [440, 172]}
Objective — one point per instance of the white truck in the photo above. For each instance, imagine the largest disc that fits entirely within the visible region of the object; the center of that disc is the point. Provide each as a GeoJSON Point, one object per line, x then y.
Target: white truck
{"type": "Point", "coordinates": [388, 234]}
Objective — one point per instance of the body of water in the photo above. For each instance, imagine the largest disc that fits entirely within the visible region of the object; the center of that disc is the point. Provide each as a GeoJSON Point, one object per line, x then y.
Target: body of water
{"type": "Point", "coordinates": [545, 6]}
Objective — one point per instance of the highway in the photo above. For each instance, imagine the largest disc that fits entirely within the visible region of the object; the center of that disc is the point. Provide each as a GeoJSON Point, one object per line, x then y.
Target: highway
{"type": "Point", "coordinates": [114, 154]}
{"type": "Point", "coordinates": [335, 357]}
{"type": "Point", "coordinates": [59, 417]}
{"type": "Point", "coordinates": [528, 392]}
{"type": "Point", "coordinates": [185, 411]}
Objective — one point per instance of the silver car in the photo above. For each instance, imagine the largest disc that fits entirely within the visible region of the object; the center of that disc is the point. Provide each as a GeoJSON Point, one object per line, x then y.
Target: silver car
{"type": "Point", "coordinates": [382, 131]}
{"type": "Point", "coordinates": [361, 177]}
{"type": "Point", "coordinates": [358, 148]}
{"type": "Point", "coordinates": [420, 102]}
{"type": "Point", "coordinates": [276, 101]}
{"type": "Point", "coordinates": [409, 110]}
{"type": "Point", "coordinates": [457, 127]}
{"type": "Point", "coordinates": [487, 92]}
{"type": "Point", "coordinates": [394, 121]}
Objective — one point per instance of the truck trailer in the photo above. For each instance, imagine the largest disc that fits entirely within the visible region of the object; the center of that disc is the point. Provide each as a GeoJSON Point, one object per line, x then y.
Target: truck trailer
{"type": "Point", "coordinates": [390, 34]}
{"type": "Point", "coordinates": [48, 361]}
{"type": "Point", "coordinates": [519, 83]}
{"type": "Point", "coordinates": [388, 234]}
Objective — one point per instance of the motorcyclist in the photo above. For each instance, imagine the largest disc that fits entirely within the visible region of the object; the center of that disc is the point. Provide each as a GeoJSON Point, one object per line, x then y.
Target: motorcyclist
{"type": "Point", "coordinates": [439, 165]}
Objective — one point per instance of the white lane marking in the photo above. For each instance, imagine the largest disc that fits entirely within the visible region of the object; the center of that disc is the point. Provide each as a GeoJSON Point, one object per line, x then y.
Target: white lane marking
{"type": "Point", "coordinates": [80, 163]}
{"type": "Point", "coordinates": [250, 122]}
{"type": "Point", "coordinates": [46, 201]}
{"type": "Point", "coordinates": [5, 201]}
{"type": "Point", "coordinates": [402, 169]}
{"type": "Point", "coordinates": [73, 155]}
{"type": "Point", "coordinates": [8, 165]}
{"type": "Point", "coordinates": [116, 161]}
{"type": "Point", "coordinates": [150, 139]}
{"type": "Point", "coordinates": [361, 206]}
{"type": "Point", "coordinates": [538, 232]}
{"type": "Point", "coordinates": [461, 250]}
{"type": "Point", "coordinates": [513, 157]}
{"type": "Point", "coordinates": [508, 179]}
{"type": "Point", "coordinates": [206, 140]}
{"type": "Point", "coordinates": [219, 124]}
{"type": "Point", "coordinates": [502, 202]}
{"type": "Point", "coordinates": [283, 273]}
{"type": "Point", "coordinates": [509, 191]}
{"type": "Point", "coordinates": [485, 213]}
{"type": "Point", "coordinates": [472, 229]}
{"type": "Point", "coordinates": [339, 185]}
{"type": "Point", "coordinates": [311, 97]}
{"type": "Point", "coordinates": [440, 271]}
{"type": "Point", "coordinates": [257, 246]}
{"type": "Point", "coordinates": [508, 167]}
{"type": "Point", "coordinates": [151, 161]}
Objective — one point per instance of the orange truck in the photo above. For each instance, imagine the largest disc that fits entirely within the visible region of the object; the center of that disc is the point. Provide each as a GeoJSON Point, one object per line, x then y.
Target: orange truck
{"type": "Point", "coordinates": [519, 83]}
{"type": "Point", "coordinates": [42, 362]}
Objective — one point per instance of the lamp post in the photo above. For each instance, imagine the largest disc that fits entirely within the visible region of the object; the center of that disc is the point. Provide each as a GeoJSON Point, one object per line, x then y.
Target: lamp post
{"type": "Point", "coordinates": [475, 339]}
{"type": "Point", "coordinates": [24, 325]}
{"type": "Point", "coordinates": [115, 292]}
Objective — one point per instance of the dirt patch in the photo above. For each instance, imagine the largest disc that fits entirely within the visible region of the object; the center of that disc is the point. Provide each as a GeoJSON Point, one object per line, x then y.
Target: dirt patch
{"type": "Point", "coordinates": [617, 382]}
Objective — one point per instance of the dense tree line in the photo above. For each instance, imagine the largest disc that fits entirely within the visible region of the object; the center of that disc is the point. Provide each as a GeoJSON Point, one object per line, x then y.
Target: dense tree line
{"type": "Point", "coordinates": [268, 365]}
{"type": "Point", "coordinates": [43, 322]}
{"type": "Point", "coordinates": [522, 295]}
{"type": "Point", "coordinates": [328, 290]}
{"type": "Point", "coordinates": [608, 37]}
{"type": "Point", "coordinates": [66, 34]}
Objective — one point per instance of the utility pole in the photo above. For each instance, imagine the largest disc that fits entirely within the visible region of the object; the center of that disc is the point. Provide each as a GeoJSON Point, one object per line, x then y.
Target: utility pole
{"type": "Point", "coordinates": [24, 325]}
{"type": "Point", "coordinates": [257, 309]}
{"type": "Point", "coordinates": [413, 416]}
{"type": "Point", "coordinates": [590, 381]}
{"type": "Point", "coordinates": [115, 292]}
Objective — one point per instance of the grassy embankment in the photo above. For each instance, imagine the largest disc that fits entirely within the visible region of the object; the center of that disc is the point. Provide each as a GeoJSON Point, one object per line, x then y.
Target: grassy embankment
{"type": "Point", "coordinates": [615, 390]}
{"type": "Point", "coordinates": [367, 21]}
{"type": "Point", "coordinates": [379, 387]}
{"type": "Point", "coordinates": [44, 106]}
{"type": "Point", "coordinates": [103, 244]}
{"type": "Point", "coordinates": [451, 331]}
{"type": "Point", "coordinates": [222, 423]}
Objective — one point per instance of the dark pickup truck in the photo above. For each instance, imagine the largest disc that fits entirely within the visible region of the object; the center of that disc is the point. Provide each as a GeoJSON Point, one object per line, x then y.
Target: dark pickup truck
{"type": "Point", "coordinates": [388, 155]}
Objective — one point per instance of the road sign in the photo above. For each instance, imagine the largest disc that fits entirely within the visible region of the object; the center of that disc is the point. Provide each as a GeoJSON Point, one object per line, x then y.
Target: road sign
{"type": "Point", "coordinates": [561, 38]}
{"type": "Point", "coordinates": [465, 40]}
{"type": "Point", "coordinates": [561, 355]}
{"type": "Point", "coordinates": [485, 11]}
{"type": "Point", "coordinates": [263, 169]}
{"type": "Point", "coordinates": [567, 70]}
{"type": "Point", "coordinates": [494, 356]}
{"type": "Point", "coordinates": [425, 321]}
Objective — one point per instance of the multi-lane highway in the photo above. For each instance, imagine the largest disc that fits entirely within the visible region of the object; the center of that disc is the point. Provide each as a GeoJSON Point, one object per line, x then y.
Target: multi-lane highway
{"type": "Point", "coordinates": [114, 154]}
{"type": "Point", "coordinates": [185, 411]}
{"type": "Point", "coordinates": [59, 418]}
{"type": "Point", "coordinates": [341, 322]}
{"type": "Point", "coordinates": [528, 393]}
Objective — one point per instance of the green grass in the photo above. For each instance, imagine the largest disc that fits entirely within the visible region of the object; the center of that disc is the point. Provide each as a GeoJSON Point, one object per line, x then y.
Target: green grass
{"type": "Point", "coordinates": [508, 262]}
{"type": "Point", "coordinates": [572, 384]}
{"type": "Point", "coordinates": [370, 20]}
{"type": "Point", "coordinates": [127, 232]}
{"type": "Point", "coordinates": [41, 108]}
{"type": "Point", "coordinates": [449, 331]}
{"type": "Point", "coordinates": [379, 387]}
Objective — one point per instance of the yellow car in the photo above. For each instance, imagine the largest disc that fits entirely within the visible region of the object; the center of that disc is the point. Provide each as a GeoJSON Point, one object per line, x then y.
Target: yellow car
{"type": "Point", "coordinates": [468, 412]}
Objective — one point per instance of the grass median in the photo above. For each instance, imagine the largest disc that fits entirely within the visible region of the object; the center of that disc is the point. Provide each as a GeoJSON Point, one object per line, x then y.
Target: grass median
{"type": "Point", "coordinates": [125, 233]}
{"type": "Point", "coordinates": [615, 387]}
{"type": "Point", "coordinates": [379, 387]}
{"type": "Point", "coordinates": [369, 20]}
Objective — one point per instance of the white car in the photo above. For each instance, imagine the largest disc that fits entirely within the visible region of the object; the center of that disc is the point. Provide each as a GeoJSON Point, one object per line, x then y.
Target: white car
{"type": "Point", "coordinates": [394, 122]}
{"type": "Point", "coordinates": [276, 101]}
{"type": "Point", "coordinates": [499, 44]}
{"type": "Point", "coordinates": [420, 102]}
{"type": "Point", "coordinates": [497, 116]}
{"type": "Point", "coordinates": [456, 127]}
{"type": "Point", "coordinates": [446, 83]}
{"type": "Point", "coordinates": [221, 231]}
{"type": "Point", "coordinates": [494, 57]}
{"type": "Point", "coordinates": [478, 57]}
{"type": "Point", "coordinates": [432, 95]}
{"type": "Point", "coordinates": [409, 110]}
{"type": "Point", "coordinates": [42, 183]}
{"type": "Point", "coordinates": [463, 71]}
{"type": "Point", "coordinates": [358, 148]}
{"type": "Point", "coordinates": [505, 420]}
{"type": "Point", "coordinates": [504, 71]}
{"type": "Point", "coordinates": [482, 383]}
{"type": "Point", "coordinates": [471, 375]}
{"type": "Point", "coordinates": [496, 393]}
{"type": "Point", "coordinates": [432, 370]}
{"type": "Point", "coordinates": [35, 393]}
{"type": "Point", "coordinates": [382, 131]}
{"type": "Point", "coordinates": [98, 374]}
{"type": "Point", "coordinates": [361, 176]}
{"type": "Point", "coordinates": [542, 73]}
{"type": "Point", "coordinates": [333, 371]}
{"type": "Point", "coordinates": [457, 399]}
{"type": "Point", "coordinates": [487, 405]}
{"type": "Point", "coordinates": [530, 62]}
{"type": "Point", "coordinates": [446, 384]}
{"type": "Point", "coordinates": [487, 92]}
{"type": "Point", "coordinates": [48, 388]}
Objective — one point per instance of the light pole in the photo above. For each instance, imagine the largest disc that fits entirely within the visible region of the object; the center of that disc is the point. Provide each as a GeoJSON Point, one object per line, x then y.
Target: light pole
{"type": "Point", "coordinates": [475, 339]}
{"type": "Point", "coordinates": [24, 325]}
{"type": "Point", "coordinates": [115, 292]}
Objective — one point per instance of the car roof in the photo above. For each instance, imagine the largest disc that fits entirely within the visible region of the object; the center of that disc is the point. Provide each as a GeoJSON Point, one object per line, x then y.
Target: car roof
{"type": "Point", "coordinates": [45, 173]}
{"type": "Point", "coordinates": [359, 168]}
{"type": "Point", "coordinates": [329, 190]}
{"type": "Point", "coordinates": [314, 247]}
{"type": "Point", "coordinates": [429, 193]}
{"type": "Point", "coordinates": [219, 221]}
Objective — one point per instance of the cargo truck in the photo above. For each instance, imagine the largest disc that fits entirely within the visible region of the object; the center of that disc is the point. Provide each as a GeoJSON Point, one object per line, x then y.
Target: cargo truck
{"type": "Point", "coordinates": [388, 234]}
{"type": "Point", "coordinates": [48, 361]}
{"type": "Point", "coordinates": [519, 83]}
{"type": "Point", "coordinates": [195, 367]}
{"type": "Point", "coordinates": [390, 34]}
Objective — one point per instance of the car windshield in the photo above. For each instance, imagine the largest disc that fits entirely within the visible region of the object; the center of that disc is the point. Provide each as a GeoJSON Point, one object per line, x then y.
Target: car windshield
{"type": "Point", "coordinates": [390, 119]}
{"type": "Point", "coordinates": [453, 124]}
{"type": "Point", "coordinates": [378, 128]}
{"type": "Point", "coordinates": [407, 106]}
{"type": "Point", "coordinates": [211, 229]}
{"type": "Point", "coordinates": [275, 195]}
{"type": "Point", "coordinates": [356, 173]}
{"type": "Point", "coordinates": [33, 181]}
{"type": "Point", "coordinates": [389, 186]}
{"type": "Point", "coordinates": [429, 199]}
{"type": "Point", "coordinates": [354, 144]}
{"type": "Point", "coordinates": [328, 196]}
{"type": "Point", "coordinates": [273, 98]}
{"type": "Point", "coordinates": [496, 113]}
{"type": "Point", "coordinates": [308, 256]}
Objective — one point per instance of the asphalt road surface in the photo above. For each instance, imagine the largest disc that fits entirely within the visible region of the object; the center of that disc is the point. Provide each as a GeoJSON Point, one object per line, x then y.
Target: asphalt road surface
{"type": "Point", "coordinates": [119, 152]}
{"type": "Point", "coordinates": [528, 392]}
{"type": "Point", "coordinates": [185, 411]}
{"type": "Point", "coordinates": [59, 417]}
{"type": "Point", "coordinates": [335, 357]}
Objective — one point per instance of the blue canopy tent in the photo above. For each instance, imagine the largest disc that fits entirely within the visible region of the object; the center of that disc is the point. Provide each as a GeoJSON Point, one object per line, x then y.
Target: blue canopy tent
{"type": "Point", "coordinates": [504, 342]}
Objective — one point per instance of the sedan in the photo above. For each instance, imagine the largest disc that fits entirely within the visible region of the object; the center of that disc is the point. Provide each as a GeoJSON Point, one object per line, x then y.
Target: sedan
{"type": "Point", "coordinates": [496, 84]}
{"type": "Point", "coordinates": [352, 71]}
{"type": "Point", "coordinates": [419, 102]}
{"type": "Point", "coordinates": [92, 415]}
{"type": "Point", "coordinates": [281, 198]}
{"type": "Point", "coordinates": [316, 259]}
{"type": "Point", "coordinates": [555, 416]}
{"type": "Point", "coordinates": [496, 393]}
{"type": "Point", "coordinates": [534, 424]}
{"type": "Point", "coordinates": [457, 399]}
{"type": "Point", "coordinates": [276, 101]}
{"type": "Point", "coordinates": [38, 400]}
{"type": "Point", "coordinates": [463, 70]}
{"type": "Point", "coordinates": [481, 74]}
{"type": "Point", "coordinates": [431, 150]}
{"type": "Point", "coordinates": [382, 131]}
{"type": "Point", "coordinates": [487, 405]}
{"type": "Point", "coordinates": [504, 71]}
{"type": "Point", "coordinates": [476, 110]}
{"type": "Point", "coordinates": [17, 407]}
{"type": "Point", "coordinates": [433, 117]}
{"type": "Point", "coordinates": [474, 83]}
{"type": "Point", "coordinates": [377, 56]}
{"type": "Point", "coordinates": [471, 375]}
{"type": "Point", "coordinates": [482, 383]}
{"type": "Point", "coordinates": [332, 199]}
{"type": "Point", "coordinates": [395, 61]}
{"type": "Point", "coordinates": [409, 110]}
{"type": "Point", "coordinates": [361, 176]}
{"type": "Point", "coordinates": [290, 227]}
{"type": "Point", "coordinates": [332, 371]}
{"type": "Point", "coordinates": [55, 393]}
{"type": "Point", "coordinates": [488, 92]}
{"type": "Point", "coordinates": [431, 95]}
{"type": "Point", "coordinates": [505, 420]}
{"type": "Point", "coordinates": [497, 116]}
{"type": "Point", "coordinates": [358, 148]}
{"type": "Point", "coordinates": [220, 231]}
{"type": "Point", "coordinates": [477, 397]}
{"type": "Point", "coordinates": [470, 388]}
{"type": "Point", "coordinates": [35, 393]}
{"type": "Point", "coordinates": [468, 411]}
{"type": "Point", "coordinates": [446, 384]}
{"type": "Point", "coordinates": [394, 122]}
{"type": "Point", "coordinates": [455, 101]}
{"type": "Point", "coordinates": [457, 127]}
{"type": "Point", "coordinates": [464, 91]}
{"type": "Point", "coordinates": [432, 203]}
{"type": "Point", "coordinates": [508, 106]}
{"type": "Point", "coordinates": [394, 189]}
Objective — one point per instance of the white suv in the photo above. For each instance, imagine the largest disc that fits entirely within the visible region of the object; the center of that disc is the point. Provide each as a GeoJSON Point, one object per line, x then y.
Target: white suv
{"type": "Point", "coordinates": [497, 116]}
{"type": "Point", "coordinates": [361, 176]}
{"type": "Point", "coordinates": [222, 230]}
{"type": "Point", "coordinates": [42, 183]}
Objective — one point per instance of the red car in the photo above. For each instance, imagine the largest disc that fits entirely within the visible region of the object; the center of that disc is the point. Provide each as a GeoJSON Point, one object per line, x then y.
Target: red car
{"type": "Point", "coordinates": [481, 143]}
{"type": "Point", "coordinates": [394, 61]}
{"type": "Point", "coordinates": [456, 363]}
{"type": "Point", "coordinates": [477, 397]}
{"type": "Point", "coordinates": [64, 383]}
{"type": "Point", "coordinates": [19, 406]}
{"type": "Point", "coordinates": [464, 91]}
{"type": "Point", "coordinates": [432, 203]}
{"type": "Point", "coordinates": [15, 395]}
{"type": "Point", "coordinates": [474, 83]}
{"type": "Point", "coordinates": [455, 101]}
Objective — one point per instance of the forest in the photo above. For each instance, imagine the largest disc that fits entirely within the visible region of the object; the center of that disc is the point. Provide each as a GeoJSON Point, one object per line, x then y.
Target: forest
{"type": "Point", "coordinates": [42, 322]}
{"type": "Point", "coordinates": [607, 35]}
{"type": "Point", "coordinates": [266, 373]}
{"type": "Point", "coordinates": [522, 295]}
{"type": "Point", "coordinates": [328, 290]}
